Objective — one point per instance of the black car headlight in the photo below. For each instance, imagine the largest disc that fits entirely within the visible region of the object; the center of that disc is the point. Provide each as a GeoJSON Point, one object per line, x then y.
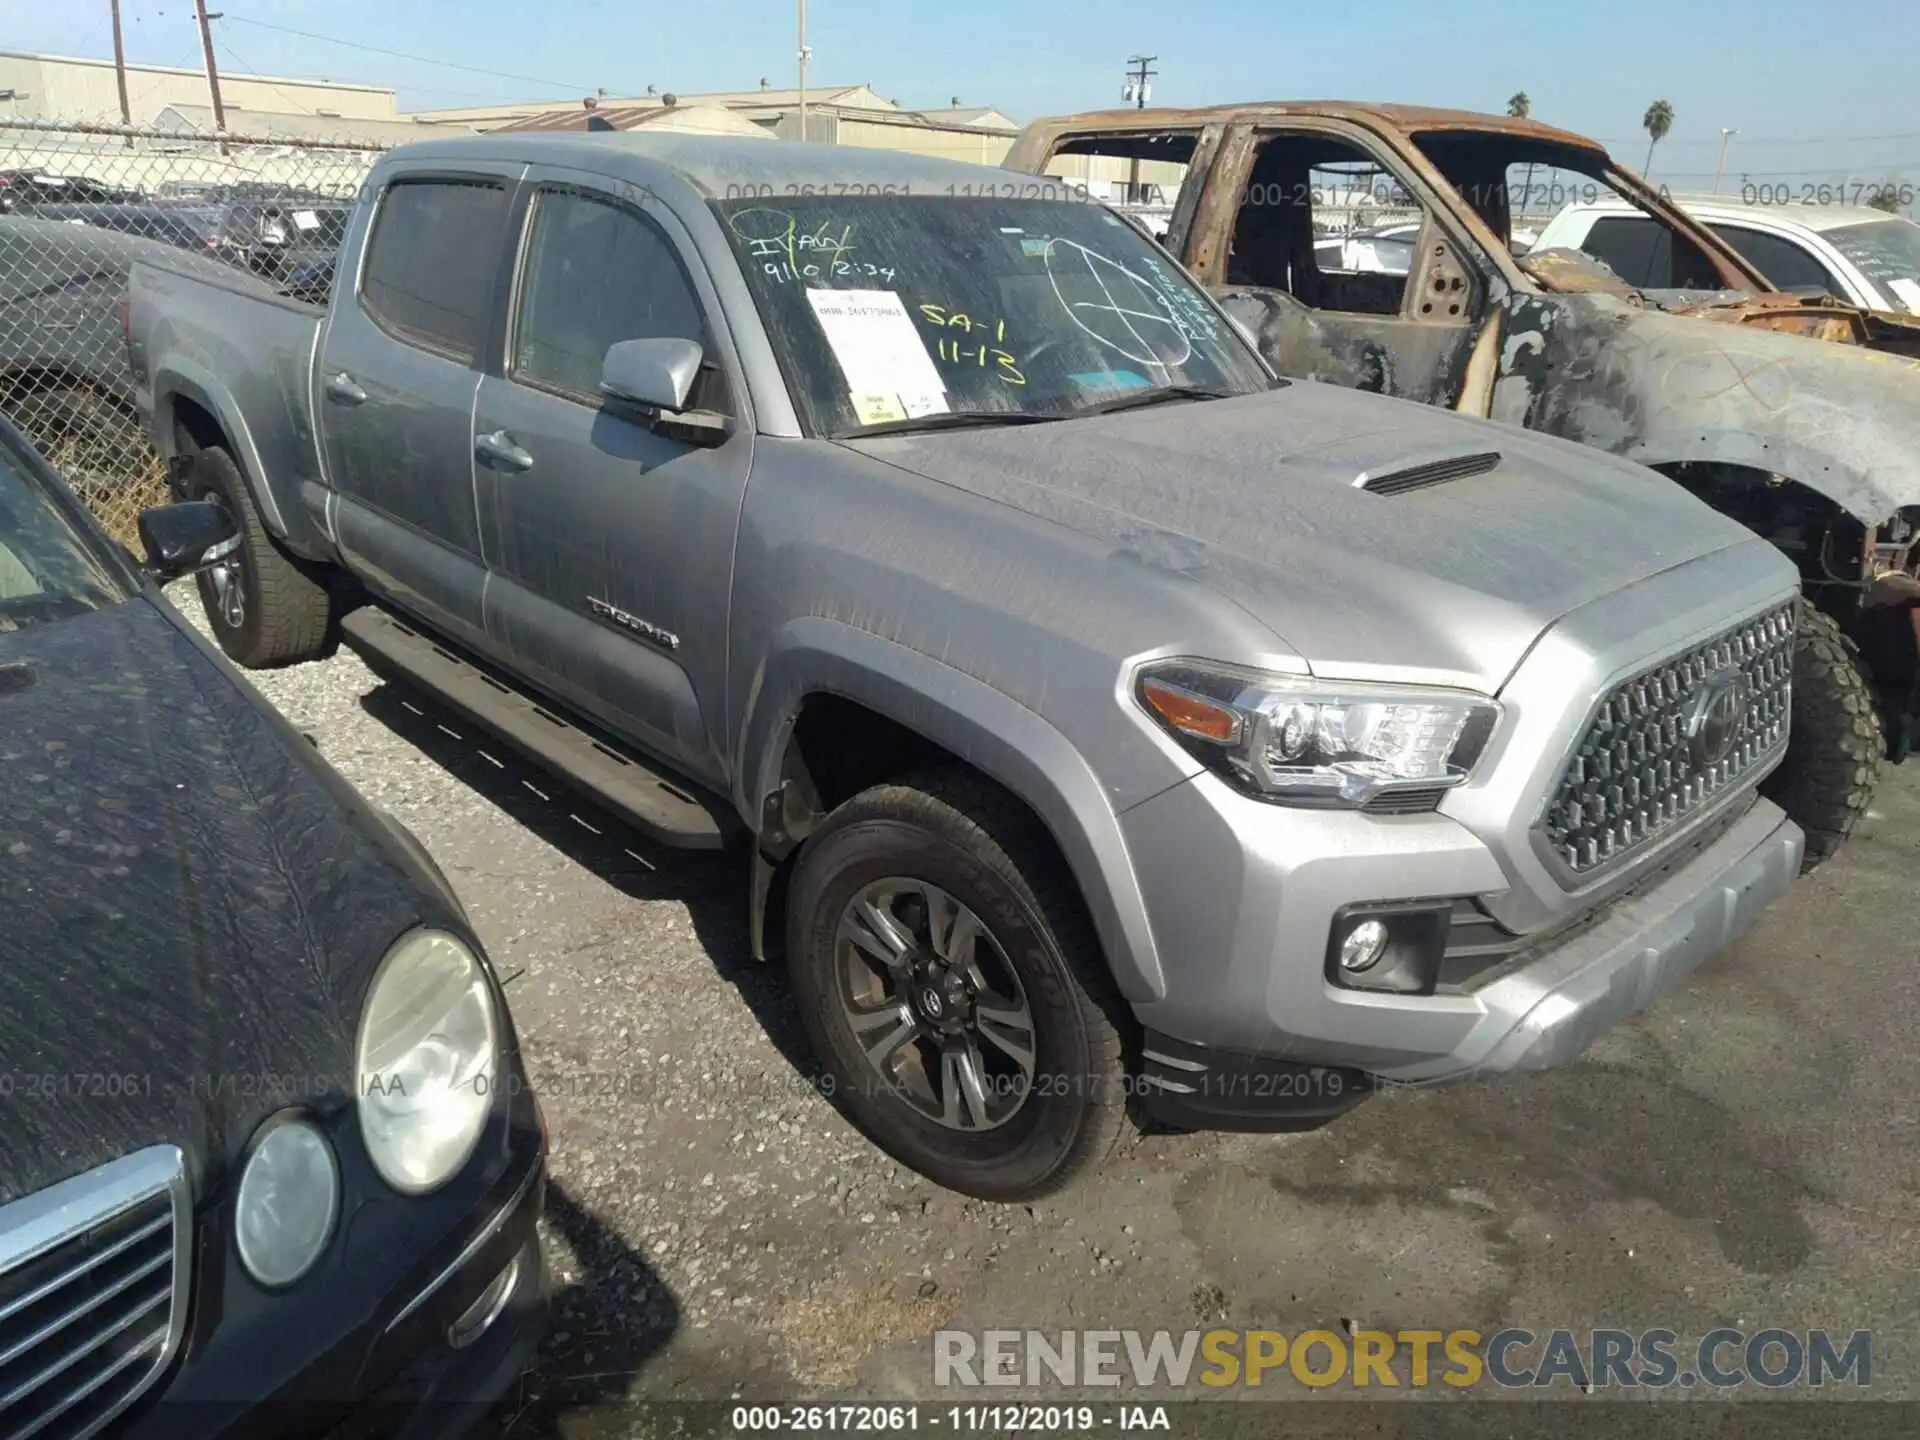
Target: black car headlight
{"type": "Point", "coordinates": [1300, 741]}
{"type": "Point", "coordinates": [427, 1060]}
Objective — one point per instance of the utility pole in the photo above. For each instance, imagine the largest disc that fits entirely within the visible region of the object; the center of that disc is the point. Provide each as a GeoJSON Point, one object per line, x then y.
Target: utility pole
{"type": "Point", "coordinates": [1725, 136]}
{"type": "Point", "coordinates": [1137, 89]}
{"type": "Point", "coordinates": [805, 55]}
{"type": "Point", "coordinates": [120, 70]}
{"type": "Point", "coordinates": [213, 72]}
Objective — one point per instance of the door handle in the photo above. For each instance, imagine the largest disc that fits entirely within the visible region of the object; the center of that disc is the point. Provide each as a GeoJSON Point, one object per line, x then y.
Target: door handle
{"type": "Point", "coordinates": [500, 450]}
{"type": "Point", "coordinates": [343, 389]}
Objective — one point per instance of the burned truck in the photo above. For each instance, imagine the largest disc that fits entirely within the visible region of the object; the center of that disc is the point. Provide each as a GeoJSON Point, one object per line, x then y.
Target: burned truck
{"type": "Point", "coordinates": [1389, 248]}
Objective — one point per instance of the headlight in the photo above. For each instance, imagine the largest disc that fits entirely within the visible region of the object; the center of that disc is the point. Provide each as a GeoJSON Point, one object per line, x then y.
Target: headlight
{"type": "Point", "coordinates": [289, 1196]}
{"type": "Point", "coordinates": [1298, 741]}
{"type": "Point", "coordinates": [427, 1058]}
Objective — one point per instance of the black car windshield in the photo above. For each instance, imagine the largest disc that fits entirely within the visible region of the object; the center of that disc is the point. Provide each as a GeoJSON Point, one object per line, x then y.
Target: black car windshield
{"type": "Point", "coordinates": [902, 308]}
{"type": "Point", "coordinates": [47, 571]}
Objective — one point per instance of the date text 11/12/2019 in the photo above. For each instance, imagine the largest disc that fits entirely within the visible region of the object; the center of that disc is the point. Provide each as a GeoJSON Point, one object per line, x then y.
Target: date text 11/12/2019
{"type": "Point", "coordinates": [823, 1419]}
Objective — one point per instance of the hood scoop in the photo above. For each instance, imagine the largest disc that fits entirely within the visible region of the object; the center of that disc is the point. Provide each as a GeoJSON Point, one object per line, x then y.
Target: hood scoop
{"type": "Point", "coordinates": [1431, 472]}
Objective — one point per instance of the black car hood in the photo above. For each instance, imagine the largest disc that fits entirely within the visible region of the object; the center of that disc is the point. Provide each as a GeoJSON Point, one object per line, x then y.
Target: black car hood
{"type": "Point", "coordinates": [191, 901]}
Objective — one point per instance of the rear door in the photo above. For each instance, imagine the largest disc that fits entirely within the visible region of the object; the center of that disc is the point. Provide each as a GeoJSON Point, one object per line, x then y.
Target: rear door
{"type": "Point", "coordinates": [610, 544]}
{"type": "Point", "coordinates": [399, 367]}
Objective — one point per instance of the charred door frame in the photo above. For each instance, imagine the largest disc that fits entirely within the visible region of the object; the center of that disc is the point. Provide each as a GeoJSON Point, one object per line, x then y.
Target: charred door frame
{"type": "Point", "coordinates": [1446, 251]}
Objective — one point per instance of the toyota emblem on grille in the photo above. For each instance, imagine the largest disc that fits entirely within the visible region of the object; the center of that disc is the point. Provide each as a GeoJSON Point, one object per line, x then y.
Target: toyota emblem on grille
{"type": "Point", "coordinates": [1713, 717]}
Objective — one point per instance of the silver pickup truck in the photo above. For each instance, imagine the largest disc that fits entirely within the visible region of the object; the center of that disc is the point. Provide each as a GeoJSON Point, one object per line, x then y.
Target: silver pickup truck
{"type": "Point", "coordinates": [1104, 721]}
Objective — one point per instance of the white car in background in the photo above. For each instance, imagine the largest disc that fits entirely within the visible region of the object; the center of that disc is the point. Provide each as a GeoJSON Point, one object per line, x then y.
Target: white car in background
{"type": "Point", "coordinates": [1861, 255]}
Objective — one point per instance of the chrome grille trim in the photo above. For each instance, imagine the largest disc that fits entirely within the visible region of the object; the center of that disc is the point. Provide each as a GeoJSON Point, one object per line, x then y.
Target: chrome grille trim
{"type": "Point", "coordinates": [93, 1293]}
{"type": "Point", "coordinates": [1638, 778]}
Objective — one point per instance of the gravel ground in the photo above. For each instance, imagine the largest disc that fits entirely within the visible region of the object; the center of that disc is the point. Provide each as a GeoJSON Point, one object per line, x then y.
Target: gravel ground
{"type": "Point", "coordinates": [1743, 1154]}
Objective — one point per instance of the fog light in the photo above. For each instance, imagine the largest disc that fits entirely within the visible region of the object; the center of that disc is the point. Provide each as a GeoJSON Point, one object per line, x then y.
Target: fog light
{"type": "Point", "coordinates": [1364, 945]}
{"type": "Point", "coordinates": [288, 1199]}
{"type": "Point", "coordinates": [480, 1315]}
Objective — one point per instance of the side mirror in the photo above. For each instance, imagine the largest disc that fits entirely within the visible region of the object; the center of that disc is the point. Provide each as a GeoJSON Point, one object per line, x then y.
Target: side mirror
{"type": "Point", "coordinates": [658, 374]}
{"type": "Point", "coordinates": [186, 538]}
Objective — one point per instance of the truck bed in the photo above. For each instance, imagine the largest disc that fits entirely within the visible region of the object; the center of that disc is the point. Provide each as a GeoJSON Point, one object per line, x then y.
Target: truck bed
{"type": "Point", "coordinates": [199, 321]}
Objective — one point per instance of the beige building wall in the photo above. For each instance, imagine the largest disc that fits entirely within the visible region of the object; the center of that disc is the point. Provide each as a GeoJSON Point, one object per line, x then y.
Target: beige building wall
{"type": "Point", "coordinates": [1113, 172]}
{"type": "Point", "coordinates": [64, 88]}
{"type": "Point", "coordinates": [975, 147]}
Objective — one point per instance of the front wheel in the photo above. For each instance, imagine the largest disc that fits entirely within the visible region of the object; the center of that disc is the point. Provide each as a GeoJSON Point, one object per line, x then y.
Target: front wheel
{"type": "Point", "coordinates": [1836, 747]}
{"type": "Point", "coordinates": [954, 990]}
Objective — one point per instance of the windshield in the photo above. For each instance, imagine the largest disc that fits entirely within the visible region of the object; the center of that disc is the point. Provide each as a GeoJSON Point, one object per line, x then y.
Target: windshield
{"type": "Point", "coordinates": [1887, 252]}
{"type": "Point", "coordinates": [46, 569]}
{"type": "Point", "coordinates": [887, 309]}
{"type": "Point", "coordinates": [1520, 184]}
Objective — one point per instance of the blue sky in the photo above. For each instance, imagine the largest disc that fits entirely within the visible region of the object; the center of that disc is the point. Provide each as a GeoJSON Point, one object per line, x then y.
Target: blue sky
{"type": "Point", "coordinates": [1810, 101]}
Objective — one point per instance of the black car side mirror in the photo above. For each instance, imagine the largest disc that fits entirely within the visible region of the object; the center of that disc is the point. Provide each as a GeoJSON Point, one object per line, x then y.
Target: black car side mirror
{"type": "Point", "coordinates": [186, 538]}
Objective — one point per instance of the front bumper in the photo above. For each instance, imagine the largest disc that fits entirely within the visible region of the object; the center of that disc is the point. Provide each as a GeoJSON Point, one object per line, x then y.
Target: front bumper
{"type": "Point", "coordinates": [1243, 896]}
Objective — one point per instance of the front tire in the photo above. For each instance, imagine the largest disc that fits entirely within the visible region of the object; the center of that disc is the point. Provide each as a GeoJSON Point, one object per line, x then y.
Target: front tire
{"type": "Point", "coordinates": [1835, 750]}
{"type": "Point", "coordinates": [265, 609]}
{"type": "Point", "coordinates": [954, 989]}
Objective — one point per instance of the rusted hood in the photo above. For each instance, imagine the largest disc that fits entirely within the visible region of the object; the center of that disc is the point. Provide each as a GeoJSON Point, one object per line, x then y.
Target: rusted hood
{"type": "Point", "coordinates": [1661, 388]}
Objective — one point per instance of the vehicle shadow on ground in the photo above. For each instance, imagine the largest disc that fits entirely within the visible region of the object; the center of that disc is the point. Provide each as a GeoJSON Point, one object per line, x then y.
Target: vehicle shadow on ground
{"type": "Point", "coordinates": [712, 885]}
{"type": "Point", "coordinates": [607, 1323]}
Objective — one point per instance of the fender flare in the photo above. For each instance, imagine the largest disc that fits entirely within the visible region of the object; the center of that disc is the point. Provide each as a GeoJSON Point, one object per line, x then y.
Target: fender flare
{"type": "Point", "coordinates": [183, 379]}
{"type": "Point", "coordinates": [1856, 491]}
{"type": "Point", "coordinates": [985, 728]}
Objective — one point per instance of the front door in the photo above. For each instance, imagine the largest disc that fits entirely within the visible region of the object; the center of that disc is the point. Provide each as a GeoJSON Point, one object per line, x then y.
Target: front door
{"type": "Point", "coordinates": [1339, 268]}
{"type": "Point", "coordinates": [610, 544]}
{"type": "Point", "coordinates": [399, 366]}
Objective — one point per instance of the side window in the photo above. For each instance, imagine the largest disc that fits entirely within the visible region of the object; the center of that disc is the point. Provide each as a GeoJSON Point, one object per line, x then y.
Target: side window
{"type": "Point", "coordinates": [1634, 248]}
{"type": "Point", "coordinates": [1325, 222]}
{"type": "Point", "coordinates": [597, 273]}
{"type": "Point", "coordinates": [431, 262]}
{"type": "Point", "coordinates": [1140, 173]}
{"type": "Point", "coordinates": [1645, 253]}
{"type": "Point", "coordinates": [1779, 259]}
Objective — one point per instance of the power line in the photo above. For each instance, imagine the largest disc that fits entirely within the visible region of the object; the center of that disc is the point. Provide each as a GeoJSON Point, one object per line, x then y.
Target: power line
{"type": "Point", "coordinates": [1795, 140]}
{"type": "Point", "coordinates": [403, 55]}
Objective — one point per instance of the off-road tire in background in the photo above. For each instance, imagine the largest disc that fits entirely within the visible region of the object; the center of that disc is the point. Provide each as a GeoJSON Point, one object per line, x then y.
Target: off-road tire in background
{"type": "Point", "coordinates": [960, 832]}
{"type": "Point", "coordinates": [286, 615]}
{"type": "Point", "coordinates": [1836, 748]}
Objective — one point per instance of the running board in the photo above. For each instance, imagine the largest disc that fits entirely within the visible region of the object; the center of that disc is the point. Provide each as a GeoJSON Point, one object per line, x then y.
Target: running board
{"type": "Point", "coordinates": [646, 799]}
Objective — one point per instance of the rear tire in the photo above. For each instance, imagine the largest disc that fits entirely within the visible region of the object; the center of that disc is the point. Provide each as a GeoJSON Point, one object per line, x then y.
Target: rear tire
{"type": "Point", "coordinates": [989, 859]}
{"type": "Point", "coordinates": [1835, 750]}
{"type": "Point", "coordinates": [268, 610]}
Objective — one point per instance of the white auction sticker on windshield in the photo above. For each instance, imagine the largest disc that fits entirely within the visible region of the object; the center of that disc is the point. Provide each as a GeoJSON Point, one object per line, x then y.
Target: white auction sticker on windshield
{"type": "Point", "coordinates": [1908, 291]}
{"type": "Point", "coordinates": [878, 347]}
{"type": "Point", "coordinates": [306, 220]}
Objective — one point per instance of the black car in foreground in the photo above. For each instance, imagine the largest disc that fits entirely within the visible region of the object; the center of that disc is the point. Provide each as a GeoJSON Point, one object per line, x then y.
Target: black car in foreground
{"type": "Point", "coordinates": [269, 1163]}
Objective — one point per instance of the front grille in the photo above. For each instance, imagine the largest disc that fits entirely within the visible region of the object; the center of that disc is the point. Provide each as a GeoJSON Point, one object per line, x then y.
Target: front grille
{"type": "Point", "coordinates": [93, 1290]}
{"type": "Point", "coordinates": [1669, 743]}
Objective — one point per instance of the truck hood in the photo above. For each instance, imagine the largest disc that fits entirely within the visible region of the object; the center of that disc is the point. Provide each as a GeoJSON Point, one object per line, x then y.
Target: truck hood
{"type": "Point", "coordinates": [1256, 497]}
{"type": "Point", "coordinates": [191, 902]}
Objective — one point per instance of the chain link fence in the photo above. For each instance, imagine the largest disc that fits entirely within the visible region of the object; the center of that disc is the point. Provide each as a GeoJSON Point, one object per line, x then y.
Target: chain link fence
{"type": "Point", "coordinates": [79, 204]}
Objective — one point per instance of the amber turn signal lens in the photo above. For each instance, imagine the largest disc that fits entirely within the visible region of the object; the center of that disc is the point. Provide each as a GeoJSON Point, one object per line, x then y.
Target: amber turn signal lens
{"type": "Point", "coordinates": [1192, 714]}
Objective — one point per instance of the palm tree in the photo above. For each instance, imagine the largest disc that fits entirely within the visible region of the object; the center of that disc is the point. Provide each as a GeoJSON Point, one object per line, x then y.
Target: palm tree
{"type": "Point", "coordinates": [1658, 121]}
{"type": "Point", "coordinates": [1520, 107]}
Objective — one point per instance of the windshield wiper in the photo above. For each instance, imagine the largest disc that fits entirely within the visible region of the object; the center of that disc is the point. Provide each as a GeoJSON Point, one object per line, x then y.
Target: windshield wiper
{"type": "Point", "coordinates": [1155, 395]}
{"type": "Point", "coordinates": [943, 420]}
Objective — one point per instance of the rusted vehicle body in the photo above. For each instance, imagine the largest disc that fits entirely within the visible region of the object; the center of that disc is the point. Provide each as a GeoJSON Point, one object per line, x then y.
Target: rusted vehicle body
{"type": "Point", "coordinates": [1798, 416]}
